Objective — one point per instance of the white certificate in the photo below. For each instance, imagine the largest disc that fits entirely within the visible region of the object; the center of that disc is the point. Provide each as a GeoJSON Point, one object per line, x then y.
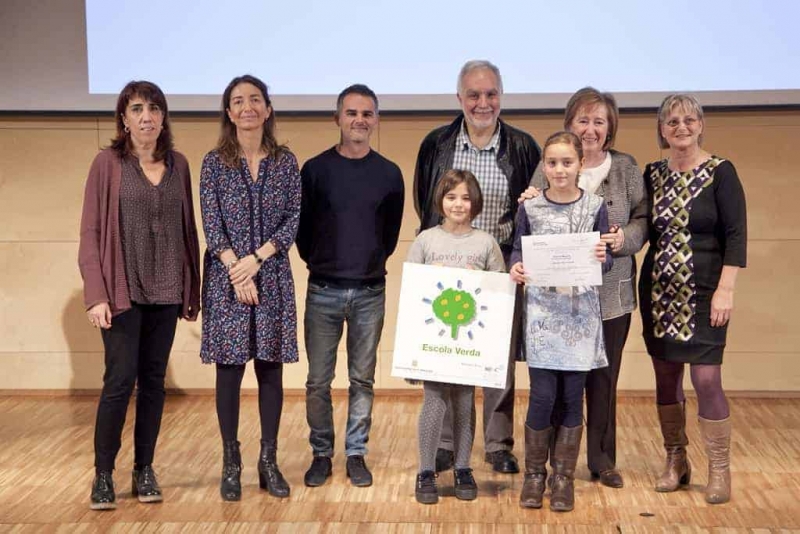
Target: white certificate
{"type": "Point", "coordinates": [454, 326]}
{"type": "Point", "coordinates": [562, 260]}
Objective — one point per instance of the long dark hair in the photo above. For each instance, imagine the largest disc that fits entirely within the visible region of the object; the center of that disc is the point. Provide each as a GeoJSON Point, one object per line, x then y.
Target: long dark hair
{"type": "Point", "coordinates": [228, 144]}
{"type": "Point", "coordinates": [149, 92]}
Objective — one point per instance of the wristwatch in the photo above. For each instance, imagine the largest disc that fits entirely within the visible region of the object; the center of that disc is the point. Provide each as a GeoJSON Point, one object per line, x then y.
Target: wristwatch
{"type": "Point", "coordinates": [259, 259]}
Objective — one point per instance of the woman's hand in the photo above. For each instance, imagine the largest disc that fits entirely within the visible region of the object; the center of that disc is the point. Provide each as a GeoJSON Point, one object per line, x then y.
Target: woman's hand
{"type": "Point", "coordinates": [247, 292]}
{"type": "Point", "coordinates": [600, 251]}
{"type": "Point", "coordinates": [100, 315]}
{"type": "Point", "coordinates": [517, 273]}
{"type": "Point", "coordinates": [244, 269]}
{"type": "Point", "coordinates": [721, 306]}
{"type": "Point", "coordinates": [615, 238]}
{"type": "Point", "coordinates": [528, 194]}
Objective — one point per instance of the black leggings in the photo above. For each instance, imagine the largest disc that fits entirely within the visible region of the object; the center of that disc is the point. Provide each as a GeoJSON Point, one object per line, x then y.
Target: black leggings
{"type": "Point", "coordinates": [544, 389]}
{"type": "Point", "coordinates": [270, 398]}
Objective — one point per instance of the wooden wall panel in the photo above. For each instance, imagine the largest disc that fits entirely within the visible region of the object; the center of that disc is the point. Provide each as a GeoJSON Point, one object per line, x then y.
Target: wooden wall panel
{"type": "Point", "coordinates": [46, 342]}
{"type": "Point", "coordinates": [41, 179]}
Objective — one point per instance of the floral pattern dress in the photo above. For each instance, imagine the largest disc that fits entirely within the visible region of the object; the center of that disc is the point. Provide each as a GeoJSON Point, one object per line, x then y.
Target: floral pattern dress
{"type": "Point", "coordinates": [242, 214]}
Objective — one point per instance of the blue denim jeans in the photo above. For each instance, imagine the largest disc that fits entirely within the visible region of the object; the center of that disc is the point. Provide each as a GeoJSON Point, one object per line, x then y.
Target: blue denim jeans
{"type": "Point", "coordinates": [327, 310]}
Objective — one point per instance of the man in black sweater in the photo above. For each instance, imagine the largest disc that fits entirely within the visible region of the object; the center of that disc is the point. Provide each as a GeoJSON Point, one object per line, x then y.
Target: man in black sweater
{"type": "Point", "coordinates": [350, 219]}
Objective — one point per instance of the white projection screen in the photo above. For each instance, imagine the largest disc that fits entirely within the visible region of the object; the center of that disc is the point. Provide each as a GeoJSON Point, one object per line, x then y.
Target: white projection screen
{"type": "Point", "coordinates": [75, 55]}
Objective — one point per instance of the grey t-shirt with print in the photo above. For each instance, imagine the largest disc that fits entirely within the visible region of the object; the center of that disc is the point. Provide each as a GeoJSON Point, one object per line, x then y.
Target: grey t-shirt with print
{"type": "Point", "coordinates": [476, 250]}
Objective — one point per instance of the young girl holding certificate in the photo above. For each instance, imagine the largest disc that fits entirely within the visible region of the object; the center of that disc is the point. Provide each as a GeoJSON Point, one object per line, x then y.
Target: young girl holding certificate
{"type": "Point", "coordinates": [563, 327]}
{"type": "Point", "coordinates": [454, 243]}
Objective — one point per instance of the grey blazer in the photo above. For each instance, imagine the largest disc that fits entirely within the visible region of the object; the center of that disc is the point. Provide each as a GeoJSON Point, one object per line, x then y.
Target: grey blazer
{"type": "Point", "coordinates": [623, 191]}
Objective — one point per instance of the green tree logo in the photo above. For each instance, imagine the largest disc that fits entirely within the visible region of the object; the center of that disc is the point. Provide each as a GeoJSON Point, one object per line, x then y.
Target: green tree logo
{"type": "Point", "coordinates": [454, 308]}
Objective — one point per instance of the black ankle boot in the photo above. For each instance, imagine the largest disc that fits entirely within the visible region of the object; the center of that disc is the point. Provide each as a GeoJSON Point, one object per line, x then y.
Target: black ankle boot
{"type": "Point", "coordinates": [103, 497]}
{"type": "Point", "coordinates": [231, 485]}
{"type": "Point", "coordinates": [269, 476]}
{"type": "Point", "coordinates": [144, 484]}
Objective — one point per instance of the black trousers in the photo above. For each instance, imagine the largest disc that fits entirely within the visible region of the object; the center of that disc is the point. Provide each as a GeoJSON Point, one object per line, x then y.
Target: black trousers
{"type": "Point", "coordinates": [137, 348]}
{"type": "Point", "coordinates": [601, 399]}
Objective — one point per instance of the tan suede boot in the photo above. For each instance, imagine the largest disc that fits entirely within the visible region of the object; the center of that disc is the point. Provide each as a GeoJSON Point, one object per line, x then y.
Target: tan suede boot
{"type": "Point", "coordinates": [717, 438]}
{"type": "Point", "coordinates": [537, 445]}
{"type": "Point", "coordinates": [677, 471]}
{"type": "Point", "coordinates": [568, 443]}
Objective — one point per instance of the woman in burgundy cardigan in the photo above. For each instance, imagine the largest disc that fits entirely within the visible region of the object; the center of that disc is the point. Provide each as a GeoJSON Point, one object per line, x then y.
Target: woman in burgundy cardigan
{"type": "Point", "coordinates": [139, 262]}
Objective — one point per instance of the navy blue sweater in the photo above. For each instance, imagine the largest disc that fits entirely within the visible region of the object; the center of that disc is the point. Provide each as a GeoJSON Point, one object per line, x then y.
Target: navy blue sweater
{"type": "Point", "coordinates": [350, 217]}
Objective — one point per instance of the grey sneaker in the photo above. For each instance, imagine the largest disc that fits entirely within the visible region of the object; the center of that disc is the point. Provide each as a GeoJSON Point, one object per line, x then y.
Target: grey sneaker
{"type": "Point", "coordinates": [425, 491]}
{"type": "Point", "coordinates": [466, 488]}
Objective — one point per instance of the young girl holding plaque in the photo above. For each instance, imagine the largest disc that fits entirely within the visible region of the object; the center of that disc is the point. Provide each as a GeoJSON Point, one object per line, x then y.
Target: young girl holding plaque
{"type": "Point", "coordinates": [563, 327]}
{"type": "Point", "coordinates": [454, 243]}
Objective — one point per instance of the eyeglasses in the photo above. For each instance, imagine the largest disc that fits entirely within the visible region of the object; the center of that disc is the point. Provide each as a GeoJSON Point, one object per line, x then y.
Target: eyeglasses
{"type": "Point", "coordinates": [689, 122]}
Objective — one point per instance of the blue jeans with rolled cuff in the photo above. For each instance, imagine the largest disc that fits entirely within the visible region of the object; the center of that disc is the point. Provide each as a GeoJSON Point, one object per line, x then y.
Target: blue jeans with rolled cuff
{"type": "Point", "coordinates": [328, 308]}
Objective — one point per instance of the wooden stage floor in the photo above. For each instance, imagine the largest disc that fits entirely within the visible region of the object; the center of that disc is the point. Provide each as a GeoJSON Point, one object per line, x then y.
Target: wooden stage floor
{"type": "Point", "coordinates": [46, 471]}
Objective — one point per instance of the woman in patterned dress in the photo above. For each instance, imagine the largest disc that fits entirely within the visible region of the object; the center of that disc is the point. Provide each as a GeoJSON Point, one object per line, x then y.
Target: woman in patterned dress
{"type": "Point", "coordinates": [250, 199]}
{"type": "Point", "coordinates": [698, 242]}
{"type": "Point", "coordinates": [139, 259]}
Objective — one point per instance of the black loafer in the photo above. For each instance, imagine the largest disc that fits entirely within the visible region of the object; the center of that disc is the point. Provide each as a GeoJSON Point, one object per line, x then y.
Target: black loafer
{"type": "Point", "coordinates": [610, 477]}
{"type": "Point", "coordinates": [503, 461]}
{"type": "Point", "coordinates": [445, 460]}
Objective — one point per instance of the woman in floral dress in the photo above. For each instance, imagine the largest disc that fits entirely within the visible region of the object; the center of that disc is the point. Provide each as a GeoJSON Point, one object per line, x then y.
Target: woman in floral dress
{"type": "Point", "coordinates": [250, 199]}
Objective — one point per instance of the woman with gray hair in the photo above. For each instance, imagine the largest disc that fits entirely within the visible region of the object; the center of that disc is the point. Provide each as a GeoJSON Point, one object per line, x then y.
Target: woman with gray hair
{"type": "Point", "coordinates": [594, 117]}
{"type": "Point", "coordinates": [698, 242]}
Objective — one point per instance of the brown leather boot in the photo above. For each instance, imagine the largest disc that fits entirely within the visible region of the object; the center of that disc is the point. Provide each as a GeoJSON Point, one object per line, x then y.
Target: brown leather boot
{"type": "Point", "coordinates": [677, 471]}
{"type": "Point", "coordinates": [565, 456]}
{"type": "Point", "coordinates": [717, 438]}
{"type": "Point", "coordinates": [537, 445]}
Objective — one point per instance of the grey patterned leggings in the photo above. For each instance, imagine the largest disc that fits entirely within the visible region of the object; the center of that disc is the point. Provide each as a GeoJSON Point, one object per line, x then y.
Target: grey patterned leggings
{"type": "Point", "coordinates": [462, 399]}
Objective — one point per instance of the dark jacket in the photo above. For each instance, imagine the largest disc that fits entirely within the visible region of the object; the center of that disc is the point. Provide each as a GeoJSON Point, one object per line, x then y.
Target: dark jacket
{"type": "Point", "coordinates": [518, 157]}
